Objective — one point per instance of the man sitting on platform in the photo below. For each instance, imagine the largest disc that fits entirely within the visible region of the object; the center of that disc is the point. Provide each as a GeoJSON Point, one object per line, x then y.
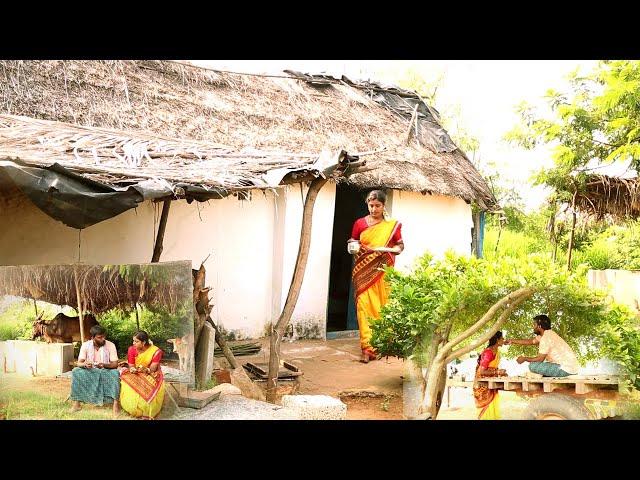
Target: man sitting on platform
{"type": "Point", "coordinates": [555, 357]}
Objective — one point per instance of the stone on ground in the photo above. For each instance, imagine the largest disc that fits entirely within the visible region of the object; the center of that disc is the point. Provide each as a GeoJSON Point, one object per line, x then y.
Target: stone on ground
{"type": "Point", "coordinates": [315, 407]}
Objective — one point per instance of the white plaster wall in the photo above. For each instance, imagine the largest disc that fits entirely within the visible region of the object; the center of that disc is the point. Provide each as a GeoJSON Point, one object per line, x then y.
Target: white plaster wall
{"type": "Point", "coordinates": [237, 234]}
{"type": "Point", "coordinates": [623, 286]}
{"type": "Point", "coordinates": [433, 223]}
{"type": "Point", "coordinates": [310, 314]}
{"type": "Point", "coordinates": [252, 246]}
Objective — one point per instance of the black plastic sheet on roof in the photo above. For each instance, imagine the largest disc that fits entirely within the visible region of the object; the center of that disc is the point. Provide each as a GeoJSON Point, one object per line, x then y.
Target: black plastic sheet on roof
{"type": "Point", "coordinates": [80, 202]}
{"type": "Point", "coordinates": [401, 102]}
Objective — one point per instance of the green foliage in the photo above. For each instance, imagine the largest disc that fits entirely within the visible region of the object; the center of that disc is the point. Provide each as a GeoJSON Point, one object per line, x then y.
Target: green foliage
{"type": "Point", "coordinates": [16, 321]}
{"type": "Point", "coordinates": [208, 385]}
{"type": "Point", "coordinates": [156, 321]}
{"type": "Point", "coordinates": [620, 338]}
{"type": "Point", "coordinates": [599, 123]}
{"type": "Point", "coordinates": [459, 290]}
{"type": "Point", "coordinates": [615, 247]}
{"type": "Point", "coordinates": [511, 244]}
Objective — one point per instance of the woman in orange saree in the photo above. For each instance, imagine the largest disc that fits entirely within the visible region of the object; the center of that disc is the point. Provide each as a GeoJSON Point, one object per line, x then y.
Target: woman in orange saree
{"type": "Point", "coordinates": [488, 401]}
{"type": "Point", "coordinates": [142, 383]}
{"type": "Point", "coordinates": [379, 240]}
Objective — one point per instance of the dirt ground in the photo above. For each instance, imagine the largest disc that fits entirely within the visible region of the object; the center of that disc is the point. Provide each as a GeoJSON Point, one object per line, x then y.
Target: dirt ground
{"type": "Point", "coordinates": [372, 391]}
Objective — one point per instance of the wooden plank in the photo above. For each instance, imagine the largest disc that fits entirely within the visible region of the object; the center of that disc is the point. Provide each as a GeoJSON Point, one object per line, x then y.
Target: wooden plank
{"type": "Point", "coordinates": [516, 385]}
{"type": "Point", "coordinates": [549, 387]}
{"type": "Point", "coordinates": [529, 386]}
{"type": "Point", "coordinates": [590, 379]}
{"type": "Point", "coordinates": [582, 388]}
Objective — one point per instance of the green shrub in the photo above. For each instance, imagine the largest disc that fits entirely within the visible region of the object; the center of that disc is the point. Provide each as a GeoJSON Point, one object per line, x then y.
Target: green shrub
{"type": "Point", "coordinates": [459, 290]}
{"type": "Point", "coordinates": [512, 244]}
{"type": "Point", "coordinates": [16, 321]}
{"type": "Point", "coordinates": [600, 255]}
{"type": "Point", "coordinates": [156, 321]}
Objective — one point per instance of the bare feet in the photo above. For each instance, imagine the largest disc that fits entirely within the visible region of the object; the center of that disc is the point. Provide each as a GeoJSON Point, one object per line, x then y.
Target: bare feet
{"type": "Point", "coordinates": [116, 409]}
{"type": "Point", "coordinates": [368, 355]}
{"type": "Point", "coordinates": [75, 407]}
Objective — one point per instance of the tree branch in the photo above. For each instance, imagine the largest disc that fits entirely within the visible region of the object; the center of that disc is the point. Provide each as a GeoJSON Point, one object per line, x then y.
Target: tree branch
{"type": "Point", "coordinates": [485, 338]}
{"type": "Point", "coordinates": [486, 318]}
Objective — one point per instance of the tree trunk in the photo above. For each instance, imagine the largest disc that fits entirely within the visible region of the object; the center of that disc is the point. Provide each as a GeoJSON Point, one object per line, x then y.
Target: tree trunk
{"type": "Point", "coordinates": [434, 387]}
{"type": "Point", "coordinates": [202, 309]}
{"type": "Point", "coordinates": [442, 379]}
{"type": "Point", "coordinates": [495, 250]}
{"type": "Point", "coordinates": [137, 317]}
{"type": "Point", "coordinates": [277, 331]}
{"type": "Point", "coordinates": [200, 301]}
{"type": "Point", "coordinates": [157, 250]}
{"type": "Point", "coordinates": [573, 230]}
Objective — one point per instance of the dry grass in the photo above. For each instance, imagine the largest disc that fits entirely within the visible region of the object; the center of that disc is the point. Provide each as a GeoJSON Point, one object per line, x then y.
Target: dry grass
{"type": "Point", "coordinates": [223, 112]}
{"type": "Point", "coordinates": [100, 289]}
{"type": "Point", "coordinates": [614, 196]}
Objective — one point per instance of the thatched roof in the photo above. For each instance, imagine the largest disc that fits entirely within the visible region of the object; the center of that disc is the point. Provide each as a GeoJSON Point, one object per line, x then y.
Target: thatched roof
{"type": "Point", "coordinates": [294, 114]}
{"type": "Point", "coordinates": [615, 196]}
{"type": "Point", "coordinates": [119, 158]}
{"type": "Point", "coordinates": [101, 287]}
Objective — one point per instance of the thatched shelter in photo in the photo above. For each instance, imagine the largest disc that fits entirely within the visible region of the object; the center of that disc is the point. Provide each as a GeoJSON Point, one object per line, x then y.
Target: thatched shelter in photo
{"type": "Point", "coordinates": [606, 195]}
{"type": "Point", "coordinates": [90, 141]}
{"type": "Point", "coordinates": [100, 287]}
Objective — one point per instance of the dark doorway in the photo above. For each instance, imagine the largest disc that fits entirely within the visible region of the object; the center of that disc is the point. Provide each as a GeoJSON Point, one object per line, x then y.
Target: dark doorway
{"type": "Point", "coordinates": [350, 206]}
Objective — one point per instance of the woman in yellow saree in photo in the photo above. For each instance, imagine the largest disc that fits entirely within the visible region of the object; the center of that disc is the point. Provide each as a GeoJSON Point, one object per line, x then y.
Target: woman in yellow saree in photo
{"type": "Point", "coordinates": [142, 382]}
{"type": "Point", "coordinates": [488, 401]}
{"type": "Point", "coordinates": [379, 240]}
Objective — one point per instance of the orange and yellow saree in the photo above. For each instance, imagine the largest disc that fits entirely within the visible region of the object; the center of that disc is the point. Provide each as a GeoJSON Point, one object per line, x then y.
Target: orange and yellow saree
{"type": "Point", "coordinates": [371, 290]}
{"type": "Point", "coordinates": [487, 401]}
{"type": "Point", "coordinates": [142, 394]}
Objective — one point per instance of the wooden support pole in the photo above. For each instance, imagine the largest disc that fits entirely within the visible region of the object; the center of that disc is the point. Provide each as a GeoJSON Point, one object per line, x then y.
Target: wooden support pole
{"type": "Point", "coordinates": [278, 330]}
{"type": "Point", "coordinates": [157, 249]}
{"type": "Point", "coordinates": [573, 230]}
{"type": "Point", "coordinates": [79, 300]}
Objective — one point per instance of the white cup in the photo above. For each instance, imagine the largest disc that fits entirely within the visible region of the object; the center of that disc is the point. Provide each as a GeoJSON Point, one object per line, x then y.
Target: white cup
{"type": "Point", "coordinates": [353, 246]}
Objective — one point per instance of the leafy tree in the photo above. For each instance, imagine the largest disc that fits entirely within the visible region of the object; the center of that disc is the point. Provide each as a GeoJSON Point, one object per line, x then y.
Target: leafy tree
{"type": "Point", "coordinates": [597, 123]}
{"type": "Point", "coordinates": [445, 309]}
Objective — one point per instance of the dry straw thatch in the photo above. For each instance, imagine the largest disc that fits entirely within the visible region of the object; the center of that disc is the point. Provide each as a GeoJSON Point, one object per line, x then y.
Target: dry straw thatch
{"type": "Point", "coordinates": [109, 156]}
{"type": "Point", "coordinates": [239, 113]}
{"type": "Point", "coordinates": [101, 289]}
{"type": "Point", "coordinates": [614, 196]}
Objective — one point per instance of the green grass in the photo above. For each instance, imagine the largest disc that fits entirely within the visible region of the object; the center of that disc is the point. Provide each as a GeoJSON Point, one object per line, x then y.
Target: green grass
{"type": "Point", "coordinates": [19, 405]}
{"type": "Point", "coordinates": [207, 386]}
{"type": "Point", "coordinates": [512, 244]}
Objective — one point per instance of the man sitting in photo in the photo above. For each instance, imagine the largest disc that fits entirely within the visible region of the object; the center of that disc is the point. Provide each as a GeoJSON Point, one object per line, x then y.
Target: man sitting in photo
{"type": "Point", "coordinates": [96, 380]}
{"type": "Point", "coordinates": [555, 357]}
